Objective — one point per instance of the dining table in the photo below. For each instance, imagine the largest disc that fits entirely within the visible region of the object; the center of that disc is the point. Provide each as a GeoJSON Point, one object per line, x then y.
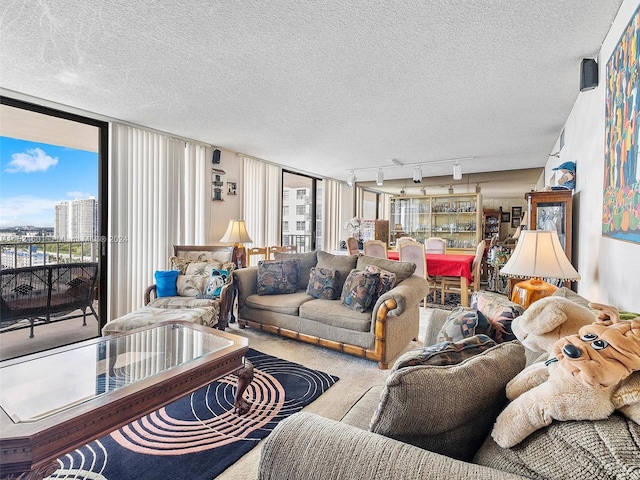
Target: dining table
{"type": "Point", "coordinates": [448, 265]}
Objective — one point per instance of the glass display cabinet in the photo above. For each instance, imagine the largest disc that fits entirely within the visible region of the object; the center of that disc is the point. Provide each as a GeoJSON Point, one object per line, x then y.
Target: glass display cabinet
{"type": "Point", "coordinates": [552, 210]}
{"type": "Point", "coordinates": [456, 218]}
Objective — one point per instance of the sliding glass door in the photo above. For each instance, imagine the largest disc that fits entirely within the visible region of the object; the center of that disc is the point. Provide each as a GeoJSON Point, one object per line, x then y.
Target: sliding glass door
{"type": "Point", "coordinates": [301, 223]}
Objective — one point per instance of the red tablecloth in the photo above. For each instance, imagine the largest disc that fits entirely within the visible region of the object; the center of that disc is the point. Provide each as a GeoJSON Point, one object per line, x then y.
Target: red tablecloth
{"type": "Point", "coordinates": [444, 264]}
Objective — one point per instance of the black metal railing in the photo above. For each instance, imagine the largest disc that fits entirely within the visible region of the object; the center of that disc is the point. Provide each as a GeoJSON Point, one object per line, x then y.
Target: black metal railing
{"type": "Point", "coordinates": [28, 253]}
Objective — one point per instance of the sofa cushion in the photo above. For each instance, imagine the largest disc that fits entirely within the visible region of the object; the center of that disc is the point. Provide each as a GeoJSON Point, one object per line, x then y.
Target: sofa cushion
{"type": "Point", "coordinates": [499, 311]}
{"type": "Point", "coordinates": [191, 285]}
{"type": "Point", "coordinates": [151, 315]}
{"type": "Point", "coordinates": [571, 295]}
{"type": "Point", "coordinates": [448, 409]}
{"type": "Point", "coordinates": [336, 314]}
{"type": "Point", "coordinates": [323, 283]}
{"type": "Point", "coordinates": [166, 282]}
{"type": "Point", "coordinates": [607, 448]}
{"type": "Point", "coordinates": [277, 276]}
{"type": "Point", "coordinates": [463, 323]}
{"type": "Point", "coordinates": [184, 264]}
{"type": "Point", "coordinates": [307, 260]}
{"type": "Point", "coordinates": [402, 270]}
{"type": "Point", "coordinates": [386, 281]}
{"type": "Point", "coordinates": [359, 289]}
{"type": "Point", "coordinates": [343, 263]}
{"type": "Point", "coordinates": [183, 302]}
{"type": "Point", "coordinates": [445, 353]}
{"type": "Point", "coordinates": [288, 304]}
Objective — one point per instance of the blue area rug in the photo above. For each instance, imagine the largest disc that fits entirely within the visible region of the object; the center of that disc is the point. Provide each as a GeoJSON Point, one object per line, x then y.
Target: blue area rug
{"type": "Point", "coordinates": [199, 436]}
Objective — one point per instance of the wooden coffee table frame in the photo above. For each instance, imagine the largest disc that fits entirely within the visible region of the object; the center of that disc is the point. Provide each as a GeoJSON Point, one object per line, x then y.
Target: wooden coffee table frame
{"type": "Point", "coordinates": [29, 450]}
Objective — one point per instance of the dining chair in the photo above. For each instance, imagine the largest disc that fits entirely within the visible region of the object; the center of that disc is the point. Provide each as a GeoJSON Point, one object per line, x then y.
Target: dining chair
{"type": "Point", "coordinates": [413, 252]}
{"type": "Point", "coordinates": [352, 246]}
{"type": "Point", "coordinates": [375, 248]}
{"type": "Point", "coordinates": [282, 249]}
{"type": "Point", "coordinates": [452, 284]}
{"type": "Point", "coordinates": [400, 240]}
{"type": "Point", "coordinates": [257, 251]}
{"type": "Point", "coordinates": [435, 245]}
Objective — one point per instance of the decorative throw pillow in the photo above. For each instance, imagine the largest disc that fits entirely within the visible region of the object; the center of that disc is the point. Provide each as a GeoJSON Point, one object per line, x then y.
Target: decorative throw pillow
{"type": "Point", "coordinates": [358, 289]}
{"type": "Point", "coordinates": [324, 283]}
{"type": "Point", "coordinates": [343, 263]}
{"type": "Point", "coordinates": [386, 281]}
{"type": "Point", "coordinates": [190, 285]}
{"type": "Point", "coordinates": [445, 353]}
{"type": "Point", "coordinates": [192, 266]}
{"type": "Point", "coordinates": [166, 282]}
{"type": "Point", "coordinates": [307, 260]}
{"type": "Point", "coordinates": [217, 280]}
{"type": "Point", "coordinates": [277, 276]}
{"type": "Point", "coordinates": [463, 323]}
{"type": "Point", "coordinates": [448, 409]}
{"type": "Point", "coordinates": [499, 311]}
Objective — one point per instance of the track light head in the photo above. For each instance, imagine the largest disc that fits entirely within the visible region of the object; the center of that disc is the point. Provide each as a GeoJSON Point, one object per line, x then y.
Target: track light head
{"type": "Point", "coordinates": [351, 179]}
{"type": "Point", "coordinates": [379, 177]}
{"type": "Point", "coordinates": [417, 174]}
{"type": "Point", "coordinates": [457, 172]}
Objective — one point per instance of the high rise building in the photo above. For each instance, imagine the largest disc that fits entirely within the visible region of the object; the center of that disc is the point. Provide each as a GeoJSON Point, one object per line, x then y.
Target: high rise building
{"type": "Point", "coordinates": [76, 220]}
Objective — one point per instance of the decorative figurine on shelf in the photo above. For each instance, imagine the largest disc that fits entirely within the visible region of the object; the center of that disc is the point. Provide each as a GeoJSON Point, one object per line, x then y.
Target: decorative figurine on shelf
{"type": "Point", "coordinates": [567, 180]}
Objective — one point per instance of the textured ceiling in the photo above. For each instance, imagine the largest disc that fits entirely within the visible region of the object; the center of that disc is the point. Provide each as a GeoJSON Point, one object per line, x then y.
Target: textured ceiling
{"type": "Point", "coordinates": [319, 86]}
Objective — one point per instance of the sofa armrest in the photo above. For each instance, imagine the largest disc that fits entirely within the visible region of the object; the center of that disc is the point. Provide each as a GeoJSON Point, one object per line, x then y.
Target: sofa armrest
{"type": "Point", "coordinates": [435, 322]}
{"type": "Point", "coordinates": [307, 446]}
{"type": "Point", "coordinates": [150, 293]}
{"type": "Point", "coordinates": [406, 294]}
{"type": "Point", "coordinates": [246, 281]}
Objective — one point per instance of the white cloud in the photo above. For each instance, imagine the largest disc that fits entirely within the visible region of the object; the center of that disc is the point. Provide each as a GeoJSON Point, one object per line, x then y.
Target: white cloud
{"type": "Point", "coordinates": [33, 160]}
{"type": "Point", "coordinates": [27, 210]}
{"type": "Point", "coordinates": [78, 194]}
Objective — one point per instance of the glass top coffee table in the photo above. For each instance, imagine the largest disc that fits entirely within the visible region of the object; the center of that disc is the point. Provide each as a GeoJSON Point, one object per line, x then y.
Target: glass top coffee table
{"type": "Point", "coordinates": [55, 401]}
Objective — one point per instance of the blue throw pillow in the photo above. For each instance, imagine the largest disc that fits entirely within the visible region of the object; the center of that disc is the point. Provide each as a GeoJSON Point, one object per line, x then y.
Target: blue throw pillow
{"type": "Point", "coordinates": [166, 283]}
{"type": "Point", "coordinates": [217, 280]}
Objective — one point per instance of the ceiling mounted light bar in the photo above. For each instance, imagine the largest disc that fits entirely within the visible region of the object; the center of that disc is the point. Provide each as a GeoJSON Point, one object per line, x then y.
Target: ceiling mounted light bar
{"type": "Point", "coordinates": [379, 177]}
{"type": "Point", "coordinates": [351, 179]}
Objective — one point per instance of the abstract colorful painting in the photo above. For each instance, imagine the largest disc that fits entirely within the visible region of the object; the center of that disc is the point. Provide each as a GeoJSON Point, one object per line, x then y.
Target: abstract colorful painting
{"type": "Point", "coordinates": [621, 199]}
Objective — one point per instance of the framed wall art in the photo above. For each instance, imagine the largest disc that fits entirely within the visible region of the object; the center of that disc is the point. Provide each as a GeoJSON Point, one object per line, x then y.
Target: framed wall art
{"type": "Point", "coordinates": [621, 189]}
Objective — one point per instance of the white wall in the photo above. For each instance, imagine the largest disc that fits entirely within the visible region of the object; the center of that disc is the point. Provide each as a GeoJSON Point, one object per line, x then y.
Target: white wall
{"type": "Point", "coordinates": [610, 269]}
{"type": "Point", "coordinates": [231, 206]}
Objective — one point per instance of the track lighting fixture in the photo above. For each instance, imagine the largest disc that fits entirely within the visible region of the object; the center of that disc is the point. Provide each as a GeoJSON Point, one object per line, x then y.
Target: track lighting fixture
{"type": "Point", "coordinates": [379, 177]}
{"type": "Point", "coordinates": [417, 174]}
{"type": "Point", "coordinates": [457, 171]}
{"type": "Point", "coordinates": [450, 189]}
{"type": "Point", "coordinates": [351, 179]}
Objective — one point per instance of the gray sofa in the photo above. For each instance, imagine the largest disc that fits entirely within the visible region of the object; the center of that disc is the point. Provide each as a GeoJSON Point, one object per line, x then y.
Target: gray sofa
{"type": "Point", "coordinates": [433, 422]}
{"type": "Point", "coordinates": [380, 333]}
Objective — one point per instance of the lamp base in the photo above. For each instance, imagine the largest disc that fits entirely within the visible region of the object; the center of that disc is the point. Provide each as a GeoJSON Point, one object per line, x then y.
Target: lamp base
{"type": "Point", "coordinates": [526, 292]}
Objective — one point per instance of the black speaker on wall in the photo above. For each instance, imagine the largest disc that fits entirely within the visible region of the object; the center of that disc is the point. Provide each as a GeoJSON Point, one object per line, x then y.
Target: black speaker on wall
{"type": "Point", "coordinates": [216, 157]}
{"type": "Point", "coordinates": [588, 74]}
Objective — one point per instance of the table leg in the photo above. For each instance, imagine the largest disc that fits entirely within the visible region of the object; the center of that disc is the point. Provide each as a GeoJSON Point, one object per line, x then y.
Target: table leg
{"type": "Point", "coordinates": [245, 376]}
{"type": "Point", "coordinates": [464, 292]}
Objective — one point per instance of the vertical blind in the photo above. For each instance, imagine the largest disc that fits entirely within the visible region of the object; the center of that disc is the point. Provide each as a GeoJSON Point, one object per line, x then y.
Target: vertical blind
{"type": "Point", "coordinates": [156, 186]}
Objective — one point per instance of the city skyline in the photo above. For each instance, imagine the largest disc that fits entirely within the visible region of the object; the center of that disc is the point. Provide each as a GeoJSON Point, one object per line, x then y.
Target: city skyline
{"type": "Point", "coordinates": [34, 177]}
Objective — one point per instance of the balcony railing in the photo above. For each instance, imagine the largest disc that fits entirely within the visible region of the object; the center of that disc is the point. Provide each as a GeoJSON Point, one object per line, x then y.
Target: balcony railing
{"type": "Point", "coordinates": [28, 253]}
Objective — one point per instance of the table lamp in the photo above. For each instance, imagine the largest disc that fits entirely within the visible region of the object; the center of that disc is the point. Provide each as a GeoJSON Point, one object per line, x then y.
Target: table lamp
{"type": "Point", "coordinates": [237, 234]}
{"type": "Point", "coordinates": [538, 254]}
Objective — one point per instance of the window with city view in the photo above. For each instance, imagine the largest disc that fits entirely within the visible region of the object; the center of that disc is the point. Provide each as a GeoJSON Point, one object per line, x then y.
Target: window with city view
{"type": "Point", "coordinates": [48, 191]}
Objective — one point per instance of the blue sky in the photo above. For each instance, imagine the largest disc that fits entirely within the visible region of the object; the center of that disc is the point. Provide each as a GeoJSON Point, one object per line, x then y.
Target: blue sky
{"type": "Point", "coordinates": [34, 177]}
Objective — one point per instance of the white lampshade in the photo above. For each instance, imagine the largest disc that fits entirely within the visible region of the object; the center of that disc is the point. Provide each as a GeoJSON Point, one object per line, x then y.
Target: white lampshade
{"type": "Point", "coordinates": [538, 254]}
{"type": "Point", "coordinates": [236, 233]}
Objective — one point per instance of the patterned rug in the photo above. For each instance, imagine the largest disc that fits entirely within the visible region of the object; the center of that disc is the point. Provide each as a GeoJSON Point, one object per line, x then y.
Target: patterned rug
{"type": "Point", "coordinates": [198, 436]}
{"type": "Point", "coordinates": [451, 301]}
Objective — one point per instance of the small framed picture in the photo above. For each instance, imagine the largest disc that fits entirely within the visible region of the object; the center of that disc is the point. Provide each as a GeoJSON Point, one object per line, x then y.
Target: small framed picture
{"type": "Point", "coordinates": [516, 212]}
{"type": "Point", "coordinates": [232, 188]}
{"type": "Point", "coordinates": [515, 222]}
{"type": "Point", "coordinates": [506, 217]}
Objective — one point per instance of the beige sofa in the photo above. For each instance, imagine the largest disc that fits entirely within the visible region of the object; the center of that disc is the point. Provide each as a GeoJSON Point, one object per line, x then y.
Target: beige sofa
{"type": "Point", "coordinates": [380, 333]}
{"type": "Point", "coordinates": [433, 422]}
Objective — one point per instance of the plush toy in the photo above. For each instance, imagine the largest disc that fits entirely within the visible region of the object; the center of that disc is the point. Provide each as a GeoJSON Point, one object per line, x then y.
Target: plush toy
{"type": "Point", "coordinates": [584, 381]}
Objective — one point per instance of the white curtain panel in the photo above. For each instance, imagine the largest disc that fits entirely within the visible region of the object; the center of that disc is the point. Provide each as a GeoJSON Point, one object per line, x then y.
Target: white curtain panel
{"type": "Point", "coordinates": [331, 215]}
{"type": "Point", "coordinates": [156, 186]}
{"type": "Point", "coordinates": [262, 201]}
